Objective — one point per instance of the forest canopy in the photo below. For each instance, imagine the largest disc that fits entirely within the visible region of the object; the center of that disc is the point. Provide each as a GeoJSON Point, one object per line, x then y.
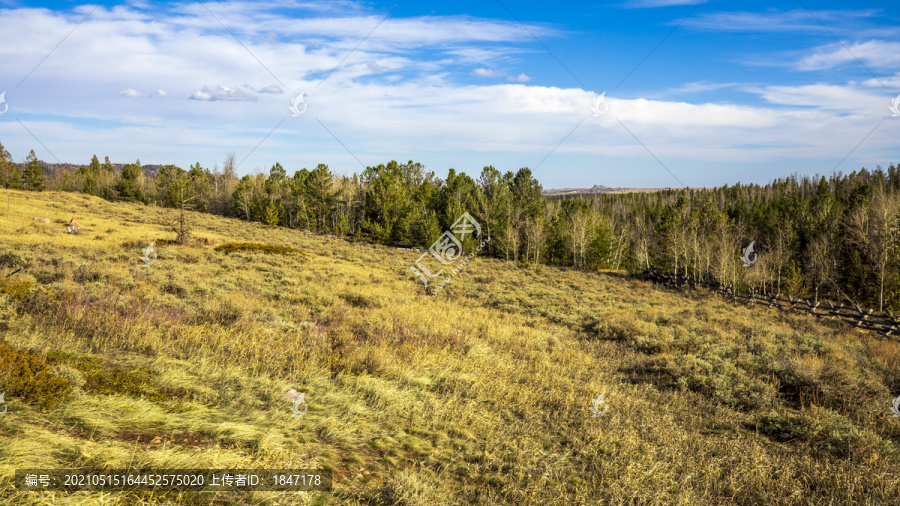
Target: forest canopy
{"type": "Point", "coordinates": [818, 237]}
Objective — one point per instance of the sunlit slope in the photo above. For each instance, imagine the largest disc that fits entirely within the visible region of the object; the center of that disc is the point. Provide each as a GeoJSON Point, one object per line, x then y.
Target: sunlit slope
{"type": "Point", "coordinates": [479, 395]}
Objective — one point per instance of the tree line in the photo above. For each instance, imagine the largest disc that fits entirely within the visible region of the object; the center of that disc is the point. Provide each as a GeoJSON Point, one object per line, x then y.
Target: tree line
{"type": "Point", "coordinates": [834, 237]}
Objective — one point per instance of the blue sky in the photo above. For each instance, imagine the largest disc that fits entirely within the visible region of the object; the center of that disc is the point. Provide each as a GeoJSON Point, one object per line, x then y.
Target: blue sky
{"type": "Point", "coordinates": [696, 95]}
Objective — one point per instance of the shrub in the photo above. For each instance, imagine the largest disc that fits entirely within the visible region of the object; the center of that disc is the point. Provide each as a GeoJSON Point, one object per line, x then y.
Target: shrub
{"type": "Point", "coordinates": [408, 489]}
{"type": "Point", "coordinates": [271, 249]}
{"type": "Point", "coordinates": [820, 427]}
{"type": "Point", "coordinates": [11, 260]}
{"type": "Point", "coordinates": [175, 288]}
{"type": "Point", "coordinates": [225, 313]}
{"type": "Point", "coordinates": [47, 274]}
{"type": "Point", "coordinates": [70, 374]}
{"type": "Point", "coordinates": [7, 311]}
{"type": "Point", "coordinates": [359, 300]}
{"type": "Point", "coordinates": [85, 274]}
{"type": "Point", "coordinates": [143, 243]}
{"type": "Point", "coordinates": [102, 377]}
{"type": "Point", "coordinates": [17, 289]}
{"type": "Point", "coordinates": [25, 374]}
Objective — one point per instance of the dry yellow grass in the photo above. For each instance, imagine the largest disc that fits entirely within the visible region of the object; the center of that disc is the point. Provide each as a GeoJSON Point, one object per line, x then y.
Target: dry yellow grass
{"type": "Point", "coordinates": [479, 395]}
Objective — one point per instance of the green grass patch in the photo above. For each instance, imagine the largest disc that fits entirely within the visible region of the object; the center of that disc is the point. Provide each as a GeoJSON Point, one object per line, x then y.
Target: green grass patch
{"type": "Point", "coordinates": [102, 377]}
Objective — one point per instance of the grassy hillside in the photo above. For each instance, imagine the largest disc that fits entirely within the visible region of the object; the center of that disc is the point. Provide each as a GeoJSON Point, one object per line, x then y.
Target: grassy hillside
{"type": "Point", "coordinates": [479, 395]}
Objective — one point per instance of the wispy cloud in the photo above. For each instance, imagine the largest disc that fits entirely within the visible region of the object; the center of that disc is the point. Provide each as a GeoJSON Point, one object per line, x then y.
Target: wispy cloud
{"type": "Point", "coordinates": [845, 99]}
{"type": "Point", "coordinates": [223, 93]}
{"type": "Point", "coordinates": [413, 88]}
{"type": "Point", "coordinates": [272, 88]}
{"type": "Point", "coordinates": [131, 93]}
{"type": "Point", "coordinates": [485, 72]}
{"type": "Point", "coordinates": [875, 53]}
{"type": "Point", "coordinates": [775, 21]}
{"type": "Point", "coordinates": [700, 86]}
{"type": "Point", "coordinates": [640, 4]}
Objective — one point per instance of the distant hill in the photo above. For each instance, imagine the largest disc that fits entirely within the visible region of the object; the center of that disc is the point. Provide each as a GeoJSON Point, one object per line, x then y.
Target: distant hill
{"type": "Point", "coordinates": [597, 188]}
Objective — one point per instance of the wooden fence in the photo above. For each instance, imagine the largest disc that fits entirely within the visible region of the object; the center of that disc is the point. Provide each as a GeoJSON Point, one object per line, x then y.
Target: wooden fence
{"type": "Point", "coordinates": [887, 323]}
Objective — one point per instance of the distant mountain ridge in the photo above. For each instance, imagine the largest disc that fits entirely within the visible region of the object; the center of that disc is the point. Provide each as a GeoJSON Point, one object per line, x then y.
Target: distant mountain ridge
{"type": "Point", "coordinates": [597, 188]}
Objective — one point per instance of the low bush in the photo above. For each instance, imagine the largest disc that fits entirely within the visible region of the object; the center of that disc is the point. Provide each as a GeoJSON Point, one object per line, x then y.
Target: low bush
{"type": "Point", "coordinates": [144, 243]}
{"type": "Point", "coordinates": [102, 377]}
{"type": "Point", "coordinates": [224, 313]}
{"type": "Point", "coordinates": [11, 260]}
{"type": "Point", "coordinates": [359, 300]}
{"type": "Point", "coordinates": [824, 429]}
{"type": "Point", "coordinates": [16, 288]}
{"type": "Point", "coordinates": [257, 247]}
{"type": "Point", "coordinates": [24, 374]}
{"type": "Point", "coordinates": [86, 274]}
{"type": "Point", "coordinates": [46, 275]}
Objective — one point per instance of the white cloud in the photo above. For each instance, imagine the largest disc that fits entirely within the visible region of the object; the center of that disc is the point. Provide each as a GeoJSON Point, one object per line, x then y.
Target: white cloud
{"type": "Point", "coordinates": [875, 53]}
{"type": "Point", "coordinates": [773, 20]}
{"type": "Point", "coordinates": [485, 72]}
{"type": "Point", "coordinates": [512, 124]}
{"type": "Point", "coordinates": [272, 88]}
{"type": "Point", "coordinates": [223, 93]}
{"type": "Point", "coordinates": [883, 81]}
{"type": "Point", "coordinates": [130, 93]}
{"type": "Point", "coordinates": [521, 78]}
{"type": "Point", "coordinates": [418, 110]}
{"type": "Point", "coordinates": [847, 99]}
{"type": "Point", "coordinates": [701, 86]}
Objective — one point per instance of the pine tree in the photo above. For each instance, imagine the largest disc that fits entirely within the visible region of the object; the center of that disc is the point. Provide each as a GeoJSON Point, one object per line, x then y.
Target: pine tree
{"type": "Point", "coordinates": [90, 175]}
{"type": "Point", "coordinates": [271, 218]}
{"type": "Point", "coordinates": [106, 179]}
{"type": "Point", "coordinates": [180, 228]}
{"type": "Point", "coordinates": [320, 195]}
{"type": "Point", "coordinates": [127, 185]}
{"type": "Point", "coordinates": [10, 177]}
{"type": "Point", "coordinates": [33, 173]}
{"type": "Point", "coordinates": [90, 186]}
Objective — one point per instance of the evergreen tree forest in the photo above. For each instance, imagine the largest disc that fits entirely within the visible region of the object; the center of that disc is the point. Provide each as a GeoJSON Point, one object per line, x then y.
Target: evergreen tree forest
{"type": "Point", "coordinates": [834, 238]}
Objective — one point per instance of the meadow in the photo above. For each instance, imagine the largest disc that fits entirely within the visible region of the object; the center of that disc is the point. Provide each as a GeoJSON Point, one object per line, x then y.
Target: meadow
{"type": "Point", "coordinates": [478, 395]}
